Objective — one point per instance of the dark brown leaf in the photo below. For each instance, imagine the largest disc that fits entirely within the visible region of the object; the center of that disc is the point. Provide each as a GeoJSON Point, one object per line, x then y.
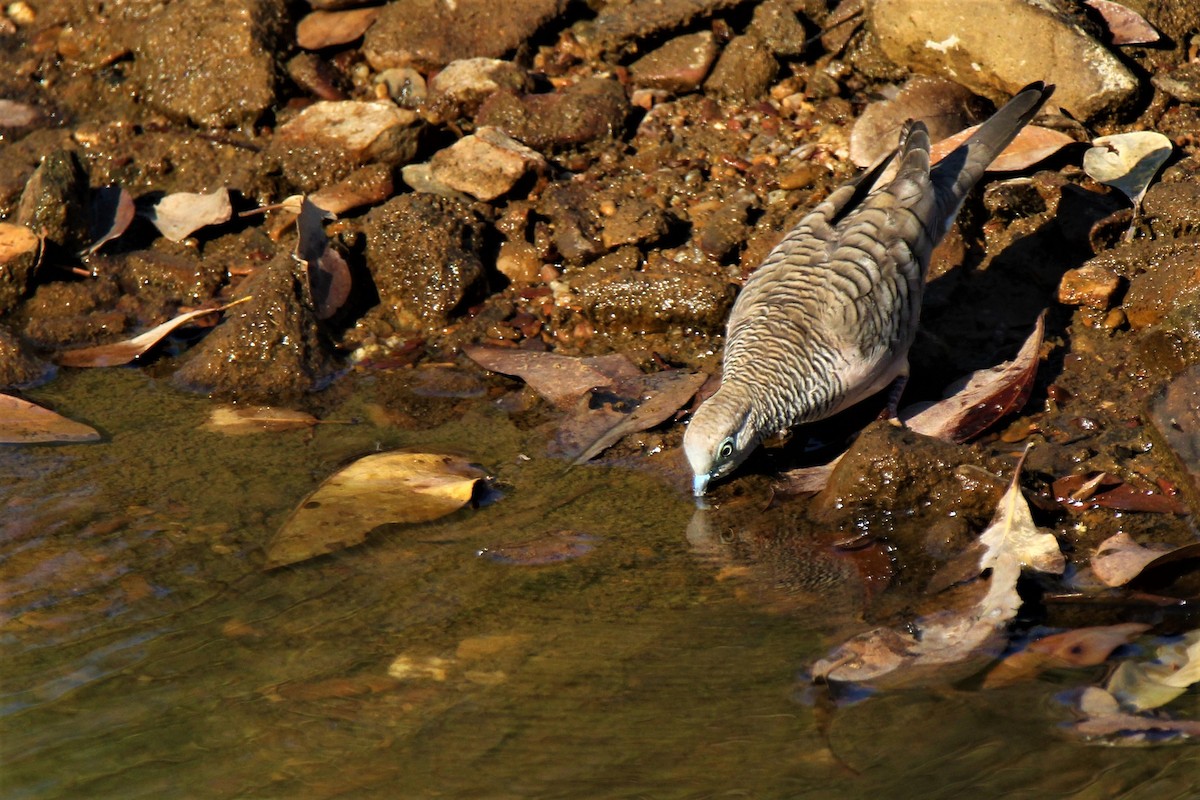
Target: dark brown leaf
{"type": "Point", "coordinates": [1083, 647]}
{"type": "Point", "coordinates": [328, 272]}
{"type": "Point", "coordinates": [562, 380]}
{"type": "Point", "coordinates": [112, 212]}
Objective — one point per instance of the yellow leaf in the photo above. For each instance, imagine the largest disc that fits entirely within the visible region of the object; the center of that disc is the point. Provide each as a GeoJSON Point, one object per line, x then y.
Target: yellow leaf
{"type": "Point", "coordinates": [256, 419]}
{"type": "Point", "coordinates": [383, 488]}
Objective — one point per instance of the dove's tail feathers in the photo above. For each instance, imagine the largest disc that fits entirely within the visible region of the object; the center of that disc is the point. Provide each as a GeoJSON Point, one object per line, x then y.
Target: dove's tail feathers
{"type": "Point", "coordinates": [955, 174]}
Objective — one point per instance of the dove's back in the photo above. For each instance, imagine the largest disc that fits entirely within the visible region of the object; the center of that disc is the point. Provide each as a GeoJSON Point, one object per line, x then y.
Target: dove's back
{"type": "Point", "coordinates": [828, 318]}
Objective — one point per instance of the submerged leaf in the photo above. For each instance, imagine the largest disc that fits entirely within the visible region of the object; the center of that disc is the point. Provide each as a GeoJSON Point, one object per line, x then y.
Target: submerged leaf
{"type": "Point", "coordinates": [1142, 685]}
{"type": "Point", "coordinates": [118, 353]}
{"type": "Point", "coordinates": [179, 215]}
{"type": "Point", "coordinates": [1127, 161]}
{"type": "Point", "coordinates": [376, 490]}
{"type": "Point", "coordinates": [1083, 647]}
{"type": "Point", "coordinates": [328, 272]}
{"type": "Point", "coordinates": [561, 380]}
{"type": "Point", "coordinates": [550, 548]}
{"type": "Point", "coordinates": [257, 419]}
{"type": "Point", "coordinates": [23, 422]}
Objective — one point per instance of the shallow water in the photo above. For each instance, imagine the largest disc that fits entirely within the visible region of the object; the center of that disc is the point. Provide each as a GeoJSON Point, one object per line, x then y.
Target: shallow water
{"type": "Point", "coordinates": [146, 655]}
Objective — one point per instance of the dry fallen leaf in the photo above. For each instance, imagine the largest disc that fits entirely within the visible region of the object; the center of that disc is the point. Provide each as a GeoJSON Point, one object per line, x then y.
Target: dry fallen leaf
{"type": "Point", "coordinates": [257, 419]}
{"type": "Point", "coordinates": [1127, 161]}
{"type": "Point", "coordinates": [1143, 685]}
{"type": "Point", "coordinates": [177, 216]}
{"type": "Point", "coordinates": [1105, 721]}
{"type": "Point", "coordinates": [944, 106]}
{"type": "Point", "coordinates": [23, 422]}
{"type": "Point", "coordinates": [562, 380]}
{"type": "Point", "coordinates": [1083, 647]}
{"type": "Point", "coordinates": [1126, 25]}
{"type": "Point", "coordinates": [1032, 145]}
{"type": "Point", "coordinates": [112, 212]}
{"type": "Point", "coordinates": [982, 398]}
{"type": "Point", "coordinates": [117, 353]}
{"type": "Point", "coordinates": [321, 29]}
{"type": "Point", "coordinates": [328, 273]}
{"type": "Point", "coordinates": [376, 490]}
{"type": "Point", "coordinates": [1119, 559]}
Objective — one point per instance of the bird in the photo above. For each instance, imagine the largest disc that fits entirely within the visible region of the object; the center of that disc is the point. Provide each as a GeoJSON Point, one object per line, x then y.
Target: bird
{"type": "Point", "coordinates": [829, 316]}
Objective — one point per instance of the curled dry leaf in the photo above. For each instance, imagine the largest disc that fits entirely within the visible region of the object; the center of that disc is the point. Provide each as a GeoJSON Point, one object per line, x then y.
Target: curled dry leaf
{"type": "Point", "coordinates": [23, 422]}
{"type": "Point", "coordinates": [257, 419]}
{"type": "Point", "coordinates": [375, 490]}
{"type": "Point", "coordinates": [177, 216]}
{"type": "Point", "coordinates": [118, 353]}
{"type": "Point", "coordinates": [1119, 559]}
{"type": "Point", "coordinates": [1084, 647]}
{"type": "Point", "coordinates": [561, 380]}
{"type": "Point", "coordinates": [1143, 685]}
{"type": "Point", "coordinates": [328, 273]}
{"type": "Point", "coordinates": [984, 397]}
{"type": "Point", "coordinates": [1032, 145]}
{"type": "Point", "coordinates": [898, 657]}
{"type": "Point", "coordinates": [1127, 161]}
{"type": "Point", "coordinates": [1124, 24]}
{"type": "Point", "coordinates": [112, 212]}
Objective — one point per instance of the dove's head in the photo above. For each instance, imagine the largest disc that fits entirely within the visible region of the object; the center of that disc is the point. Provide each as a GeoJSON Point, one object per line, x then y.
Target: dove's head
{"type": "Point", "coordinates": [719, 438]}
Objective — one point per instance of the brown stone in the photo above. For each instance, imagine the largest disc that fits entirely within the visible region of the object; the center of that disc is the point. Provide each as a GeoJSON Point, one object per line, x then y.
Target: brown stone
{"type": "Point", "coordinates": [1090, 285]}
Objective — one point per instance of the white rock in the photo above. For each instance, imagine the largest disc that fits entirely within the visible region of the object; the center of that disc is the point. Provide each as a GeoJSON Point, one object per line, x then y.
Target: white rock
{"type": "Point", "coordinates": [484, 165]}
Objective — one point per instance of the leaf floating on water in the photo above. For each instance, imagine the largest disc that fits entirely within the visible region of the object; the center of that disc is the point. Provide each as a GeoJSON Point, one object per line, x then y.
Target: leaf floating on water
{"type": "Point", "coordinates": [1105, 721]}
{"type": "Point", "coordinates": [1127, 161]}
{"type": "Point", "coordinates": [257, 419]}
{"type": "Point", "coordinates": [1126, 25]}
{"type": "Point", "coordinates": [1031, 146]}
{"type": "Point", "coordinates": [328, 273]}
{"type": "Point", "coordinates": [118, 353]}
{"type": "Point", "coordinates": [1143, 685]}
{"type": "Point", "coordinates": [551, 548]}
{"type": "Point", "coordinates": [112, 212]}
{"type": "Point", "coordinates": [177, 216]}
{"type": "Point", "coordinates": [561, 380]}
{"type": "Point", "coordinates": [1083, 647]}
{"type": "Point", "coordinates": [23, 422]}
{"type": "Point", "coordinates": [376, 490]}
{"type": "Point", "coordinates": [984, 397]}
{"type": "Point", "coordinates": [1119, 559]}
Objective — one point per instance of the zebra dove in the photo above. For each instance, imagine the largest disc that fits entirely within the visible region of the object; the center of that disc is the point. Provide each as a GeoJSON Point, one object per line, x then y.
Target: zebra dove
{"type": "Point", "coordinates": [828, 318]}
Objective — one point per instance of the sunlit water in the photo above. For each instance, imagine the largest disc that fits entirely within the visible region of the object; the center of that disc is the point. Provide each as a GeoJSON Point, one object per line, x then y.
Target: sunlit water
{"type": "Point", "coordinates": [146, 654]}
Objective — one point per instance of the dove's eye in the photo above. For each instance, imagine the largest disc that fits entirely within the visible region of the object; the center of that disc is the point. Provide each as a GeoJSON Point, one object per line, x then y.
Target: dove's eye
{"type": "Point", "coordinates": [726, 449]}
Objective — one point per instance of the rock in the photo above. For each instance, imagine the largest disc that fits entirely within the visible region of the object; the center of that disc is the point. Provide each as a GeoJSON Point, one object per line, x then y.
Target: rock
{"type": "Point", "coordinates": [53, 202]}
{"type": "Point", "coordinates": [723, 230]}
{"type": "Point", "coordinates": [679, 66]}
{"type": "Point", "coordinates": [423, 253]}
{"type": "Point", "coordinates": [620, 299]}
{"type": "Point", "coordinates": [327, 140]}
{"type": "Point", "coordinates": [174, 278]}
{"type": "Point", "coordinates": [776, 25]}
{"type": "Point", "coordinates": [266, 350]}
{"type": "Point", "coordinates": [419, 177]}
{"type": "Point", "coordinates": [1164, 277]}
{"type": "Point", "coordinates": [428, 34]}
{"type": "Point", "coordinates": [460, 88]}
{"type": "Point", "coordinates": [73, 312]}
{"type": "Point", "coordinates": [316, 76]}
{"type": "Point", "coordinates": [1182, 83]}
{"type": "Point", "coordinates": [634, 221]}
{"type": "Point", "coordinates": [404, 85]}
{"type": "Point", "coordinates": [486, 164]}
{"type": "Point", "coordinates": [519, 262]}
{"type": "Point", "coordinates": [574, 224]}
{"type": "Point", "coordinates": [210, 63]}
{"type": "Point", "coordinates": [321, 29]}
{"type": "Point", "coordinates": [594, 108]}
{"type": "Point", "coordinates": [617, 23]}
{"type": "Point", "coordinates": [997, 47]}
{"type": "Point", "coordinates": [19, 368]}
{"type": "Point", "coordinates": [1172, 209]}
{"type": "Point", "coordinates": [20, 249]}
{"type": "Point", "coordinates": [1175, 416]}
{"type": "Point", "coordinates": [1090, 285]}
{"type": "Point", "coordinates": [744, 70]}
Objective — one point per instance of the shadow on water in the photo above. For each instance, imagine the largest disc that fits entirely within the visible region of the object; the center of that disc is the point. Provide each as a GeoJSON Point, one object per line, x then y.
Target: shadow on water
{"type": "Point", "coordinates": [146, 655]}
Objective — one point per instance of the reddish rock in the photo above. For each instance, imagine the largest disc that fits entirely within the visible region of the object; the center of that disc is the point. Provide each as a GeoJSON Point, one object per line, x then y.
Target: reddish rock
{"type": "Point", "coordinates": [1090, 285]}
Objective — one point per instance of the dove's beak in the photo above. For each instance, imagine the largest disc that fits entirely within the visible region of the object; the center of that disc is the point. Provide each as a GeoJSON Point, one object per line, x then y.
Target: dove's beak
{"type": "Point", "coordinates": [700, 484]}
